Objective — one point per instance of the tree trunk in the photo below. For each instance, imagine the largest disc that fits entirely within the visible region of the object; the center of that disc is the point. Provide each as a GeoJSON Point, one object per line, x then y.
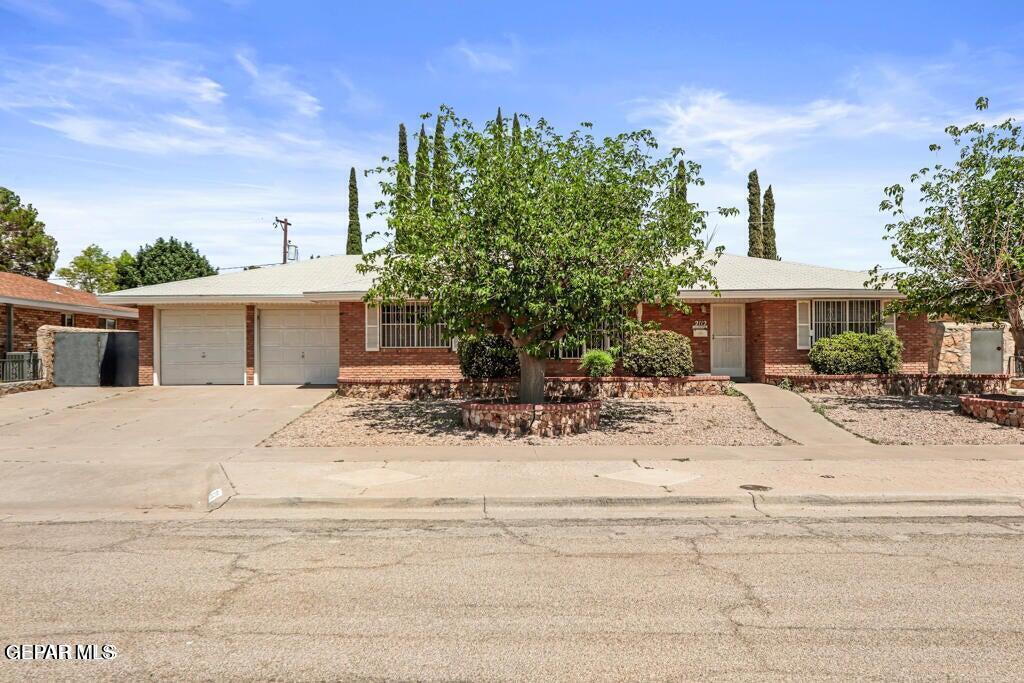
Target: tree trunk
{"type": "Point", "coordinates": [531, 378]}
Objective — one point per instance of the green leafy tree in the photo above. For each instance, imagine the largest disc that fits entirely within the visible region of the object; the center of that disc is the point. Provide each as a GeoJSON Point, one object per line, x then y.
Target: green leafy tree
{"type": "Point", "coordinates": [547, 240]}
{"type": "Point", "coordinates": [421, 188]}
{"type": "Point", "coordinates": [964, 251]}
{"type": "Point", "coordinates": [25, 248]}
{"type": "Point", "coordinates": [771, 249]}
{"type": "Point", "coordinates": [755, 236]}
{"type": "Point", "coordinates": [163, 261]}
{"type": "Point", "coordinates": [517, 133]}
{"type": "Point", "coordinates": [403, 184]}
{"type": "Point", "coordinates": [124, 271]}
{"type": "Point", "coordinates": [92, 271]}
{"type": "Point", "coordinates": [354, 245]}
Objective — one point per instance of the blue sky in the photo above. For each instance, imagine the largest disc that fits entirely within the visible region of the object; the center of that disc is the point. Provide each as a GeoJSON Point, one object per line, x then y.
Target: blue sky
{"type": "Point", "coordinates": [126, 120]}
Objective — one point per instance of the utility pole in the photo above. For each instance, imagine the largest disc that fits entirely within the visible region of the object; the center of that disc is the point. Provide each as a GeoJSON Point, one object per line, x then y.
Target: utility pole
{"type": "Point", "coordinates": [283, 223]}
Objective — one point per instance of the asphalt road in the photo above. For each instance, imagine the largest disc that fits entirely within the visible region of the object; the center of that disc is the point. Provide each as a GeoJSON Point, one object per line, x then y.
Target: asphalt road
{"type": "Point", "coordinates": [595, 600]}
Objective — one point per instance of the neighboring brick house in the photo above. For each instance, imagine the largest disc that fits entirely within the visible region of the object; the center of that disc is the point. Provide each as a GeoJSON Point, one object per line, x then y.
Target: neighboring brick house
{"type": "Point", "coordinates": [26, 304]}
{"type": "Point", "coordinates": [306, 323]}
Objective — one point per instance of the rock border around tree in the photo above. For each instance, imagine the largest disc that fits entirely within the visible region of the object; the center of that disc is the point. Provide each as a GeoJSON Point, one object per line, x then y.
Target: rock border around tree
{"type": "Point", "coordinates": [531, 419]}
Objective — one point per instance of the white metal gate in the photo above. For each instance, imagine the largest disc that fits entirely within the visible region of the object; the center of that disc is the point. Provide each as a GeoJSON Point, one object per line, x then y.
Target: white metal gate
{"type": "Point", "coordinates": [986, 351]}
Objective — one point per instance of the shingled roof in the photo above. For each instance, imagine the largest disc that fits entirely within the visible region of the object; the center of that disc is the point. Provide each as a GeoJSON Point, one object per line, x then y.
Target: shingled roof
{"type": "Point", "coordinates": [29, 292]}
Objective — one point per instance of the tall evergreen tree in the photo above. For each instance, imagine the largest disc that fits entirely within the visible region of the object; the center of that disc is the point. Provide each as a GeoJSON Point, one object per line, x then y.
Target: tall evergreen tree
{"type": "Point", "coordinates": [755, 237]}
{"type": "Point", "coordinates": [771, 249]}
{"type": "Point", "coordinates": [421, 179]}
{"type": "Point", "coordinates": [354, 245]}
{"type": "Point", "coordinates": [679, 188]}
{"type": "Point", "coordinates": [403, 175]}
{"type": "Point", "coordinates": [442, 169]}
{"type": "Point", "coordinates": [517, 134]}
{"type": "Point", "coordinates": [499, 130]}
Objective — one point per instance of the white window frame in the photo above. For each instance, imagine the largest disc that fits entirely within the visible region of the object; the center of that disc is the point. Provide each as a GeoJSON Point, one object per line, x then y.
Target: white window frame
{"type": "Point", "coordinates": [108, 323]}
{"type": "Point", "coordinates": [65, 318]}
{"type": "Point", "coordinates": [807, 331]}
{"type": "Point", "coordinates": [609, 338]}
{"type": "Point", "coordinates": [398, 332]}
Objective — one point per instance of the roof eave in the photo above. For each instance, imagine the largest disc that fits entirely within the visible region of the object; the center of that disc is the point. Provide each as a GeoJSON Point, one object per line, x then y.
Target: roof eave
{"type": "Point", "coordinates": [817, 293]}
{"type": "Point", "coordinates": [69, 307]}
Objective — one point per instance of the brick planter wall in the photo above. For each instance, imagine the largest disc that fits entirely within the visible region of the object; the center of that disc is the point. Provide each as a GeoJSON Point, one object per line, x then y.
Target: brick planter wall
{"type": "Point", "coordinates": [895, 385]}
{"type": "Point", "coordinates": [555, 387]}
{"type": "Point", "coordinates": [520, 419]}
{"type": "Point", "coordinates": [1003, 411]}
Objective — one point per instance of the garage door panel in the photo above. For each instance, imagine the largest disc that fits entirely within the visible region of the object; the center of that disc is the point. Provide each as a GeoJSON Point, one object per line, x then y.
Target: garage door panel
{"type": "Point", "coordinates": [298, 346]}
{"type": "Point", "coordinates": [202, 346]}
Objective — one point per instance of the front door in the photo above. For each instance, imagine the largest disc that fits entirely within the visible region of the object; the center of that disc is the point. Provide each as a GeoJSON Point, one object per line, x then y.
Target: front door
{"type": "Point", "coordinates": [728, 351]}
{"type": "Point", "coordinates": [986, 351]}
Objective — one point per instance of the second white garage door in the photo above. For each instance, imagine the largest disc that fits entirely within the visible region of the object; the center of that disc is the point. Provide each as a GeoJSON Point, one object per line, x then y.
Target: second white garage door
{"type": "Point", "coordinates": [299, 346]}
{"type": "Point", "coordinates": [202, 346]}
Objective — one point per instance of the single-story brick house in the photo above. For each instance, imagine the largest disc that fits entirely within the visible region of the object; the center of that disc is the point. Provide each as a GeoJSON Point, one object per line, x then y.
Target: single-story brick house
{"type": "Point", "coordinates": [26, 304]}
{"type": "Point", "coordinates": [306, 323]}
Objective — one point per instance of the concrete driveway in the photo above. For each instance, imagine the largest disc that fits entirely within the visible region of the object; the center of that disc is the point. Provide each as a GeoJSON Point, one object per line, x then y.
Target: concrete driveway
{"type": "Point", "coordinates": [160, 417]}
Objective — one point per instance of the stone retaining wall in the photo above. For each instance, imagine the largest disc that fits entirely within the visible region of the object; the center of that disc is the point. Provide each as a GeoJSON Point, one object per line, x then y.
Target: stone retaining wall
{"type": "Point", "coordinates": [7, 388]}
{"type": "Point", "coordinates": [895, 385]}
{"type": "Point", "coordinates": [520, 419]}
{"type": "Point", "coordinates": [555, 387]}
{"type": "Point", "coordinates": [1004, 412]}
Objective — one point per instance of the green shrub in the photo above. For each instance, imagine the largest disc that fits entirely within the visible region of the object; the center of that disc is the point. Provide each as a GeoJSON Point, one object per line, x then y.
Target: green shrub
{"type": "Point", "coordinates": [597, 363]}
{"type": "Point", "coordinates": [857, 353]}
{"type": "Point", "coordinates": [658, 353]}
{"type": "Point", "coordinates": [488, 357]}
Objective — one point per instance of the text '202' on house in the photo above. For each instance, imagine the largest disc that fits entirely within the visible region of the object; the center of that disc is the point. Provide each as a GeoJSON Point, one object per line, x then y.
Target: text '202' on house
{"type": "Point", "coordinates": [307, 323]}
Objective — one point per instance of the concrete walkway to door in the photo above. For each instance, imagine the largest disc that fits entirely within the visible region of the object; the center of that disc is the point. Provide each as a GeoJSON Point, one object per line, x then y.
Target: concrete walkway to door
{"type": "Point", "coordinates": [790, 415]}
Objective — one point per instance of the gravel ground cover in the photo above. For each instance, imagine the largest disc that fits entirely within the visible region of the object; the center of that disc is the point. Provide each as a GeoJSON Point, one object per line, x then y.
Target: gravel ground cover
{"type": "Point", "coordinates": [696, 420]}
{"type": "Point", "coordinates": [927, 420]}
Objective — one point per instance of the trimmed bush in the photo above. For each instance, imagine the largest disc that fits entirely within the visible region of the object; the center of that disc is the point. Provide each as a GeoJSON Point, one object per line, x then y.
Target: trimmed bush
{"type": "Point", "coordinates": [488, 357]}
{"type": "Point", "coordinates": [857, 353]}
{"type": "Point", "coordinates": [658, 353]}
{"type": "Point", "coordinates": [597, 363]}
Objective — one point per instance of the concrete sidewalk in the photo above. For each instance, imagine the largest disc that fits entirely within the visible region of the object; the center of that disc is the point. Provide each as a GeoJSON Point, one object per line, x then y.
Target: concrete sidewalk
{"type": "Point", "coordinates": [790, 415]}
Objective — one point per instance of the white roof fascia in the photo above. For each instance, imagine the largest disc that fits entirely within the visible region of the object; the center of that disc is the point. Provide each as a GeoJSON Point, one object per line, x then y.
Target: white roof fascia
{"type": "Point", "coordinates": [154, 299]}
{"type": "Point", "coordinates": [755, 294]}
{"type": "Point", "coordinates": [73, 308]}
{"type": "Point", "coordinates": [352, 295]}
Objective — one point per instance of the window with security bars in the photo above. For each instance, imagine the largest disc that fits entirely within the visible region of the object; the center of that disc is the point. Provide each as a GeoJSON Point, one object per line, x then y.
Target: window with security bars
{"type": "Point", "coordinates": [855, 315]}
{"type": "Point", "coordinates": [602, 338]}
{"type": "Point", "coordinates": [403, 327]}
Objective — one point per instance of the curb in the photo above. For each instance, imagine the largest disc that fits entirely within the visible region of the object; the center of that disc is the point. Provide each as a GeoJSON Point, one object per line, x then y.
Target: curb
{"type": "Point", "coordinates": [217, 489]}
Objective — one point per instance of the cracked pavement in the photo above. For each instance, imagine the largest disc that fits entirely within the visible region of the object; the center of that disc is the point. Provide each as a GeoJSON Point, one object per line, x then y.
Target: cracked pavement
{"type": "Point", "coordinates": [727, 599]}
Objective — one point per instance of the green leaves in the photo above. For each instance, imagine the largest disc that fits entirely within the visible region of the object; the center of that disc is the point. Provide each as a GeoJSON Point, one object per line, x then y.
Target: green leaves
{"type": "Point", "coordinates": [25, 248]}
{"type": "Point", "coordinates": [163, 261]}
{"type": "Point", "coordinates": [354, 241]}
{"type": "Point", "coordinates": [541, 236]}
{"type": "Point", "coordinates": [92, 271]}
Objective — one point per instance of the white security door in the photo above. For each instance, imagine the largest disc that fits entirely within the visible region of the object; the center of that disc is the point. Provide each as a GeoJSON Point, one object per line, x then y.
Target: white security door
{"type": "Point", "coordinates": [202, 346]}
{"type": "Point", "coordinates": [299, 346]}
{"type": "Point", "coordinates": [986, 352]}
{"type": "Point", "coordinates": [728, 351]}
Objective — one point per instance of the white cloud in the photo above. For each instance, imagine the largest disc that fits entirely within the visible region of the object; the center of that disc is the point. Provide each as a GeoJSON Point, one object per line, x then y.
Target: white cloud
{"type": "Point", "coordinates": [711, 122]}
{"type": "Point", "coordinates": [35, 9]}
{"type": "Point", "coordinates": [273, 84]}
{"type": "Point", "coordinates": [136, 11]}
{"type": "Point", "coordinates": [488, 59]}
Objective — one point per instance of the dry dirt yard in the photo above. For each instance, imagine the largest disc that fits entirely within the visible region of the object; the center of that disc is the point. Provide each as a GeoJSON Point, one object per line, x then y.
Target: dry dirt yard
{"type": "Point", "coordinates": [691, 420]}
{"type": "Point", "coordinates": [926, 420]}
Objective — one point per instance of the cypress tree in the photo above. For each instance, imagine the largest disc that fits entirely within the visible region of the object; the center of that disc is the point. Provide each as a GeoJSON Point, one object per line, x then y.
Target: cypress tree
{"type": "Point", "coordinates": [517, 134]}
{"type": "Point", "coordinates": [442, 169]}
{"type": "Point", "coordinates": [499, 130]}
{"type": "Point", "coordinates": [771, 249]}
{"type": "Point", "coordinates": [754, 233]}
{"type": "Point", "coordinates": [354, 245]}
{"type": "Point", "coordinates": [402, 181]}
{"type": "Point", "coordinates": [421, 179]}
{"type": "Point", "coordinates": [679, 189]}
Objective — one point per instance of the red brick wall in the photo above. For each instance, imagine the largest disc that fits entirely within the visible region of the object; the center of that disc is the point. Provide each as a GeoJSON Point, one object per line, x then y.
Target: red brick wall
{"type": "Point", "coordinates": [145, 327]}
{"type": "Point", "coordinates": [677, 321]}
{"type": "Point", "coordinates": [771, 341]}
{"type": "Point", "coordinates": [26, 322]}
{"type": "Point", "coordinates": [358, 363]}
{"type": "Point", "coordinates": [250, 344]}
{"type": "Point", "coordinates": [127, 324]}
{"type": "Point", "coordinates": [3, 328]}
{"type": "Point", "coordinates": [914, 333]}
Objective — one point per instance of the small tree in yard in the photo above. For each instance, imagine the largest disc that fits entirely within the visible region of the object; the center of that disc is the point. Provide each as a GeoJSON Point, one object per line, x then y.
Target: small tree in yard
{"type": "Point", "coordinates": [965, 252]}
{"type": "Point", "coordinates": [544, 238]}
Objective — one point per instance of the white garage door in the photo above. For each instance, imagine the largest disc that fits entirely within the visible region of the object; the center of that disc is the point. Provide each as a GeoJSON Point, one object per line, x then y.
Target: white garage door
{"type": "Point", "coordinates": [299, 346]}
{"type": "Point", "coordinates": [202, 346]}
